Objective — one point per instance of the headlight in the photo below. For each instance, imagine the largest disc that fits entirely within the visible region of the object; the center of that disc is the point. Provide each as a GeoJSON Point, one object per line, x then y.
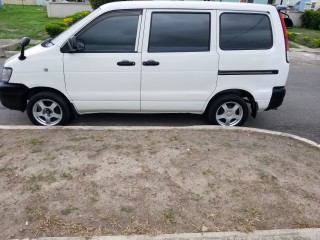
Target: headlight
{"type": "Point", "coordinates": [6, 74]}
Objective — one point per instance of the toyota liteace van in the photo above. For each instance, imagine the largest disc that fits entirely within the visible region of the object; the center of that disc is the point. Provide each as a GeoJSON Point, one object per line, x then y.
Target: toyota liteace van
{"type": "Point", "coordinates": [225, 60]}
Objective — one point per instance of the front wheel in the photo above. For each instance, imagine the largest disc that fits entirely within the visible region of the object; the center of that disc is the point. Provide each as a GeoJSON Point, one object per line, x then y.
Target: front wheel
{"type": "Point", "coordinates": [48, 109]}
{"type": "Point", "coordinates": [228, 110]}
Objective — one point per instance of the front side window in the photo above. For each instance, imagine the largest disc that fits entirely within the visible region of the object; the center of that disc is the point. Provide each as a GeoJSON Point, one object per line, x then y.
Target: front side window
{"type": "Point", "coordinates": [241, 31]}
{"type": "Point", "coordinates": [112, 33]}
{"type": "Point", "coordinates": [179, 32]}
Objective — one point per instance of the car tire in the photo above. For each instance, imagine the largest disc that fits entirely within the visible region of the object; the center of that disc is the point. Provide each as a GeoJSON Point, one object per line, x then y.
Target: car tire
{"type": "Point", "coordinates": [228, 110]}
{"type": "Point", "coordinates": [48, 109]}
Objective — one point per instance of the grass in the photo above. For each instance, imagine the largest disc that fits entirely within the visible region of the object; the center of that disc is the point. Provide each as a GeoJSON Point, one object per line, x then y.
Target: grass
{"type": "Point", "coordinates": [264, 177]}
{"type": "Point", "coordinates": [47, 177]}
{"type": "Point", "coordinates": [69, 209]}
{"type": "Point", "coordinates": [7, 169]}
{"type": "Point", "coordinates": [292, 45]}
{"type": "Point", "coordinates": [17, 21]}
{"type": "Point", "coordinates": [307, 37]}
{"type": "Point", "coordinates": [126, 208]}
{"type": "Point", "coordinates": [225, 143]}
{"type": "Point", "coordinates": [173, 138]}
{"type": "Point", "coordinates": [18, 48]}
{"type": "Point", "coordinates": [195, 196]}
{"type": "Point", "coordinates": [169, 216]}
{"type": "Point", "coordinates": [312, 34]}
{"type": "Point", "coordinates": [34, 182]}
{"type": "Point", "coordinates": [66, 176]}
{"type": "Point", "coordinates": [266, 160]}
{"type": "Point", "coordinates": [36, 141]}
{"type": "Point", "coordinates": [207, 172]}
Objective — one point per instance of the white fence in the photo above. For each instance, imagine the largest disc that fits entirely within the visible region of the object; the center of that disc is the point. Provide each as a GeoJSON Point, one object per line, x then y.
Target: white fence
{"type": "Point", "coordinates": [296, 18]}
{"type": "Point", "coordinates": [20, 2]}
{"type": "Point", "coordinates": [63, 9]}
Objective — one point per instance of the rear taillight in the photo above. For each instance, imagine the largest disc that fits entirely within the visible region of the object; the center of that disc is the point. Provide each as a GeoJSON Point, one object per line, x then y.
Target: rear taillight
{"type": "Point", "coordinates": [285, 36]}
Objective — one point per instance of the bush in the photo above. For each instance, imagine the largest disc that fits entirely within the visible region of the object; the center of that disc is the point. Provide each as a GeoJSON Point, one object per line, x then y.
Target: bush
{"type": "Point", "coordinates": [306, 41]}
{"type": "Point", "coordinates": [306, 19]}
{"type": "Point", "coordinates": [315, 21]}
{"type": "Point", "coordinates": [78, 16]}
{"type": "Point", "coordinates": [68, 21]}
{"type": "Point", "coordinates": [97, 3]}
{"type": "Point", "coordinates": [292, 36]}
{"type": "Point", "coordinates": [54, 29]}
{"type": "Point", "coordinates": [316, 42]}
{"type": "Point", "coordinates": [311, 19]}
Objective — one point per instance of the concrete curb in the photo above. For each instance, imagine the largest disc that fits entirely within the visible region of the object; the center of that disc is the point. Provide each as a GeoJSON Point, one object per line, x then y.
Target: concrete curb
{"type": "Point", "coordinates": [302, 48]}
{"type": "Point", "coordinates": [203, 127]}
{"type": "Point", "coordinates": [281, 234]}
{"type": "Point", "coordinates": [8, 45]}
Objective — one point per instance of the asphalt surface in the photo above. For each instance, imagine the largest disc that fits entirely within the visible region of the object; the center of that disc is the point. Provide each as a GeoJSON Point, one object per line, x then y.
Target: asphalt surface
{"type": "Point", "coordinates": [299, 114]}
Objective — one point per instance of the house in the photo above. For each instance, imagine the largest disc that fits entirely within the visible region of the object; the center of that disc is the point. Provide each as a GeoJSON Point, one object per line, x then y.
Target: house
{"type": "Point", "coordinates": [25, 2]}
{"type": "Point", "coordinates": [301, 5]}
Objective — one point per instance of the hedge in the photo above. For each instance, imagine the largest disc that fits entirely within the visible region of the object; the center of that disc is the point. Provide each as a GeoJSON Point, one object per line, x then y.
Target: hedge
{"type": "Point", "coordinates": [311, 19]}
{"type": "Point", "coordinates": [54, 29]}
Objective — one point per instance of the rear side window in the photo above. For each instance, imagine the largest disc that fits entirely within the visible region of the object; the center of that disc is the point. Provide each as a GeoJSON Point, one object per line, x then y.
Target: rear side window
{"type": "Point", "coordinates": [241, 31]}
{"type": "Point", "coordinates": [179, 32]}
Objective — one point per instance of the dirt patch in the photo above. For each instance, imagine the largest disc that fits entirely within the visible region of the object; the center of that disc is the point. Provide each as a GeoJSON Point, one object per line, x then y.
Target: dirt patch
{"type": "Point", "coordinates": [73, 182]}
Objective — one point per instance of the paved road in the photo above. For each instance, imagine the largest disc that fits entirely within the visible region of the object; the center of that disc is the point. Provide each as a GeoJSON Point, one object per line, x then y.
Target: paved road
{"type": "Point", "coordinates": [299, 114]}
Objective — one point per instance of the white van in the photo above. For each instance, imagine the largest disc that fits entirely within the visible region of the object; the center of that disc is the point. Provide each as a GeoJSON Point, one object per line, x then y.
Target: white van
{"type": "Point", "coordinates": [155, 57]}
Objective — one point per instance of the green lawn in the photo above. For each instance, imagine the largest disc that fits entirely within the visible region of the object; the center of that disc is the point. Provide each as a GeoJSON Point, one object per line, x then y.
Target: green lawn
{"type": "Point", "coordinates": [306, 32]}
{"type": "Point", "coordinates": [17, 21]}
{"type": "Point", "coordinates": [293, 46]}
{"type": "Point", "coordinates": [304, 36]}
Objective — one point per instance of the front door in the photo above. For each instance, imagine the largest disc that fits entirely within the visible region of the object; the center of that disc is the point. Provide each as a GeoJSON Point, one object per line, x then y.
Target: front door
{"type": "Point", "coordinates": [106, 76]}
{"type": "Point", "coordinates": [179, 60]}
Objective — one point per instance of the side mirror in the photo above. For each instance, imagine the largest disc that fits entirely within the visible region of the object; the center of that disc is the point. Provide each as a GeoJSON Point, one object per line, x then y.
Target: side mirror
{"type": "Point", "coordinates": [75, 44]}
{"type": "Point", "coordinates": [80, 45]}
{"type": "Point", "coordinates": [24, 42]}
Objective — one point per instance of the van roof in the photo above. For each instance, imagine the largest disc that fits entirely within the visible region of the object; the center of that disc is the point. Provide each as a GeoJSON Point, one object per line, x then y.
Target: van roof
{"type": "Point", "coordinates": [187, 5]}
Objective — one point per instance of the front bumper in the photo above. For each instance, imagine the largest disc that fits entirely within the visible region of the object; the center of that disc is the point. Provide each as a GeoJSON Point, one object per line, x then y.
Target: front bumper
{"type": "Point", "coordinates": [277, 97]}
{"type": "Point", "coordinates": [13, 96]}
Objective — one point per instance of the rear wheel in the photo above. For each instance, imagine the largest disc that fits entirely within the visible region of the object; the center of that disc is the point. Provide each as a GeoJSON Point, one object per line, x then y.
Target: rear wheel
{"type": "Point", "coordinates": [48, 109]}
{"type": "Point", "coordinates": [228, 110]}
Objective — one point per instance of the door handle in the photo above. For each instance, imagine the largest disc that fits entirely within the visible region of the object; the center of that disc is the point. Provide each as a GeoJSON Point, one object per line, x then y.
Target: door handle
{"type": "Point", "coordinates": [126, 63]}
{"type": "Point", "coordinates": [150, 63]}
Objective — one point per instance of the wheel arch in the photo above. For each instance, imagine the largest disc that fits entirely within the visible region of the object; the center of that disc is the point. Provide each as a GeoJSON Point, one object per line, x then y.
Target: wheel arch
{"type": "Point", "coordinates": [239, 92]}
{"type": "Point", "coordinates": [32, 91]}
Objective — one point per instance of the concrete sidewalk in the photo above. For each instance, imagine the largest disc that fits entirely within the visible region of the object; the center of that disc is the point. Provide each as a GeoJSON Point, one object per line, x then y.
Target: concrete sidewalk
{"type": "Point", "coordinates": [302, 48]}
{"type": "Point", "coordinates": [281, 234]}
{"type": "Point", "coordinates": [8, 46]}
